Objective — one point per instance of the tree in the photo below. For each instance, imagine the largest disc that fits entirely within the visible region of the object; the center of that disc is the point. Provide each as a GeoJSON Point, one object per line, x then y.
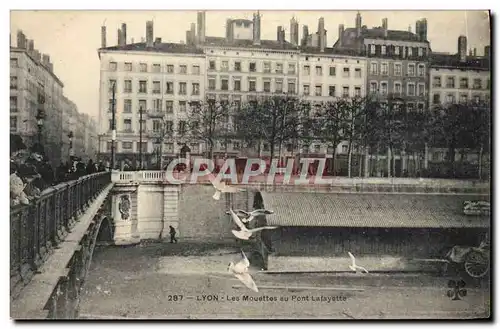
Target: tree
{"type": "Point", "coordinates": [206, 122]}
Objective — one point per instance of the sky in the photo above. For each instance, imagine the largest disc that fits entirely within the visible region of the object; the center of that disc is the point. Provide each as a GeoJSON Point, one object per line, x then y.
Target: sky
{"type": "Point", "coordinates": [72, 38]}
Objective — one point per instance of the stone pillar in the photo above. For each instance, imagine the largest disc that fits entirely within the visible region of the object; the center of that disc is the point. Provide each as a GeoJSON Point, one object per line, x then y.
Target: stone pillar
{"type": "Point", "coordinates": [123, 234]}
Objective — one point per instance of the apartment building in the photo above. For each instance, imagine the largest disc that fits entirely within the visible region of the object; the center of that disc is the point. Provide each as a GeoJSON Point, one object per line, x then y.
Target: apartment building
{"type": "Point", "coordinates": [70, 119]}
{"type": "Point", "coordinates": [36, 93]}
{"type": "Point", "coordinates": [459, 77]}
{"type": "Point", "coordinates": [397, 61]}
{"type": "Point", "coordinates": [161, 79]}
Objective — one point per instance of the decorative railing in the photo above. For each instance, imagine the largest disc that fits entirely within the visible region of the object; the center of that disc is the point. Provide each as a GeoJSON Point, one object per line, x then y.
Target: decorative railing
{"type": "Point", "coordinates": [43, 224]}
{"type": "Point", "coordinates": [370, 184]}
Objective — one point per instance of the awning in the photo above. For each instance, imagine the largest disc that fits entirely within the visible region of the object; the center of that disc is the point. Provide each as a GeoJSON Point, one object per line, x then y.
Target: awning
{"type": "Point", "coordinates": [372, 210]}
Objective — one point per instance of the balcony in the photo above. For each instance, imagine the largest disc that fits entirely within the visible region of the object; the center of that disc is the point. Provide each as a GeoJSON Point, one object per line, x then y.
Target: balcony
{"type": "Point", "coordinates": [156, 113]}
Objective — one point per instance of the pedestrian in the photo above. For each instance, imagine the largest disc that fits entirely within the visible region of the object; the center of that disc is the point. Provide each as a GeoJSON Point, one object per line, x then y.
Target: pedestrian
{"type": "Point", "coordinates": [172, 234]}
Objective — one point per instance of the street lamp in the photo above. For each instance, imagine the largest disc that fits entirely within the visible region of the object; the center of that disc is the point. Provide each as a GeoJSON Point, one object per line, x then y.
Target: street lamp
{"type": "Point", "coordinates": [40, 117]}
{"type": "Point", "coordinates": [70, 136]}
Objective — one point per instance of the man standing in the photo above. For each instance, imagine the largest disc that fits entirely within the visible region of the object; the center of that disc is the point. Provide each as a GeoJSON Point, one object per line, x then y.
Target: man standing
{"type": "Point", "coordinates": [172, 234]}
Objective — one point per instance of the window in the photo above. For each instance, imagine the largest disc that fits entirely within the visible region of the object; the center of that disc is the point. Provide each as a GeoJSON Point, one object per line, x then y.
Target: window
{"type": "Point", "coordinates": [157, 105]}
{"type": "Point", "coordinates": [307, 70]}
{"type": "Point", "coordinates": [182, 88]}
{"type": "Point", "coordinates": [279, 68]}
{"type": "Point", "coordinates": [317, 148]}
{"type": "Point", "coordinates": [420, 51]}
{"type": "Point", "coordinates": [211, 84]}
{"type": "Point", "coordinates": [142, 104]}
{"type": "Point", "coordinates": [236, 85]}
{"type": "Point", "coordinates": [170, 88]}
{"type": "Point", "coordinates": [156, 87]}
{"type": "Point", "coordinates": [127, 86]}
{"type": "Point", "coordinates": [236, 145]}
{"type": "Point", "coordinates": [291, 68]}
{"type": "Point", "coordinates": [156, 68]}
{"type": "Point", "coordinates": [372, 49]}
{"type": "Point", "coordinates": [477, 84]}
{"type": "Point", "coordinates": [196, 69]}
{"type": "Point", "coordinates": [183, 69]}
{"type": "Point", "coordinates": [224, 66]}
{"type": "Point", "coordinates": [170, 69]}
{"type": "Point", "coordinates": [127, 106]}
{"type": "Point", "coordinates": [305, 148]}
{"type": "Point", "coordinates": [345, 148]}
{"type": "Point", "coordinates": [127, 145]}
{"type": "Point", "coordinates": [13, 82]}
{"type": "Point", "coordinates": [332, 71]}
{"type": "Point", "coordinates": [169, 106]}
{"type": "Point", "coordinates": [143, 67]}
{"type": "Point", "coordinates": [252, 67]}
{"type": "Point", "coordinates": [127, 124]}
{"type": "Point", "coordinates": [411, 69]}
{"type": "Point", "coordinates": [373, 87]}
{"type": "Point", "coordinates": [113, 66]}
{"type": "Point", "coordinates": [477, 98]}
{"type": "Point", "coordinates": [110, 124]}
{"type": "Point", "coordinates": [144, 146]}
{"type": "Point", "coordinates": [411, 89]}
{"type": "Point", "coordinates": [384, 69]}
{"type": "Point", "coordinates": [357, 91]}
{"type": "Point", "coordinates": [251, 85]}
{"type": "Point", "coordinates": [421, 69]}
{"type": "Point", "coordinates": [397, 68]}
{"type": "Point", "coordinates": [396, 50]}
{"type": "Point", "coordinates": [196, 88]}
{"type": "Point", "coordinates": [267, 86]}
{"type": "Point", "coordinates": [357, 72]}
{"type": "Point", "coordinates": [111, 84]}
{"type": "Point", "coordinates": [306, 90]}
{"type": "Point", "coordinates": [182, 106]}
{"type": "Point", "coordinates": [169, 126]}
{"type": "Point", "coordinates": [450, 98]}
{"type": "Point", "coordinates": [182, 127]}
{"type": "Point", "coordinates": [346, 72]}
{"type": "Point", "coordinates": [13, 63]}
{"type": "Point", "coordinates": [384, 50]}
{"type": "Point", "coordinates": [278, 86]}
{"type": "Point", "coordinates": [109, 146]}
{"type": "Point", "coordinates": [450, 82]}
{"type": "Point", "coordinates": [397, 88]}
{"type": "Point", "coordinates": [110, 105]}
{"type": "Point", "coordinates": [128, 67]}
{"type": "Point", "coordinates": [463, 98]}
{"type": "Point", "coordinates": [345, 91]}
{"type": "Point", "coordinates": [13, 103]}
{"type": "Point", "coordinates": [267, 67]}
{"type": "Point", "coordinates": [317, 90]}
{"type": "Point", "coordinates": [169, 147]}
{"type": "Point", "coordinates": [143, 86]}
{"type": "Point", "coordinates": [237, 66]}
{"type": "Point", "coordinates": [373, 69]}
{"type": "Point", "coordinates": [436, 99]}
{"type": "Point", "coordinates": [331, 91]}
{"type": "Point", "coordinates": [421, 89]}
{"type": "Point", "coordinates": [224, 84]}
{"type": "Point", "coordinates": [383, 88]}
{"type": "Point", "coordinates": [410, 51]}
{"type": "Point", "coordinates": [410, 107]}
{"type": "Point", "coordinates": [420, 107]}
{"type": "Point", "coordinates": [436, 82]}
{"type": "Point", "coordinates": [319, 70]}
{"type": "Point", "coordinates": [13, 123]}
{"type": "Point", "coordinates": [291, 87]}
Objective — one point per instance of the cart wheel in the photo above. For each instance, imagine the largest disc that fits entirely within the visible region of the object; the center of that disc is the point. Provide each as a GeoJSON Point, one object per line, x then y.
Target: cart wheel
{"type": "Point", "coordinates": [476, 264]}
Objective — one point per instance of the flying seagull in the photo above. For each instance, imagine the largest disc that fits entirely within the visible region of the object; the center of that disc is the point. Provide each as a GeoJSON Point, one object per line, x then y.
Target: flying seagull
{"type": "Point", "coordinates": [355, 267]}
{"type": "Point", "coordinates": [240, 271]}
{"type": "Point", "coordinates": [244, 232]}
{"type": "Point", "coordinates": [221, 187]}
{"type": "Point", "coordinates": [250, 215]}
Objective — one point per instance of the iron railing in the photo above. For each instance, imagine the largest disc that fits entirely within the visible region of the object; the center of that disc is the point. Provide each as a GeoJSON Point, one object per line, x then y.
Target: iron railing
{"type": "Point", "coordinates": [43, 224]}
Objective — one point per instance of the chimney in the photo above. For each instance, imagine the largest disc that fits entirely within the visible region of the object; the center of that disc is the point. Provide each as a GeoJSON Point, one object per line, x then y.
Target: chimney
{"type": "Point", "coordinates": [103, 36]}
{"type": "Point", "coordinates": [321, 34]}
{"type": "Point", "coordinates": [341, 34]}
{"type": "Point", "coordinates": [31, 45]}
{"type": "Point", "coordinates": [119, 36]}
{"type": "Point", "coordinates": [124, 33]}
{"type": "Point", "coordinates": [193, 33]}
{"type": "Point", "coordinates": [474, 52]}
{"type": "Point", "coordinates": [37, 55]}
{"type": "Point", "coordinates": [45, 59]}
{"type": "Point", "coordinates": [201, 26]}
{"type": "Point", "coordinates": [294, 31]}
{"type": "Point", "coordinates": [157, 40]}
{"type": "Point", "coordinates": [149, 34]}
{"type": "Point", "coordinates": [305, 35]}
{"type": "Point", "coordinates": [384, 26]}
{"type": "Point", "coordinates": [358, 24]}
{"type": "Point", "coordinates": [256, 28]}
{"type": "Point", "coordinates": [51, 67]}
{"type": "Point", "coordinates": [423, 29]}
{"type": "Point", "coordinates": [21, 40]}
{"type": "Point", "coordinates": [487, 51]}
{"type": "Point", "coordinates": [462, 48]}
{"type": "Point", "coordinates": [278, 34]}
{"type": "Point", "coordinates": [409, 28]}
{"type": "Point", "coordinates": [131, 40]}
{"type": "Point", "coordinates": [229, 30]}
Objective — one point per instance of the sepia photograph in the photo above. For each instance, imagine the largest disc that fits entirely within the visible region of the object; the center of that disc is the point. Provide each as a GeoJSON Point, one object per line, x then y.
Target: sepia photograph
{"type": "Point", "coordinates": [250, 164]}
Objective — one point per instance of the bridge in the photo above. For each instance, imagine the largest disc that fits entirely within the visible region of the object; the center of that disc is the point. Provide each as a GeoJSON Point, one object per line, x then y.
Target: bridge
{"type": "Point", "coordinates": [53, 239]}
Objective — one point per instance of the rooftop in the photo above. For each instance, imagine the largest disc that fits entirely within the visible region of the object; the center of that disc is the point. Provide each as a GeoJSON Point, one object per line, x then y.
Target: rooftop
{"type": "Point", "coordinates": [445, 60]}
{"type": "Point", "coordinates": [176, 48]}
{"type": "Point", "coordinates": [371, 210]}
{"type": "Point", "coordinates": [264, 44]}
{"type": "Point", "coordinates": [22, 50]}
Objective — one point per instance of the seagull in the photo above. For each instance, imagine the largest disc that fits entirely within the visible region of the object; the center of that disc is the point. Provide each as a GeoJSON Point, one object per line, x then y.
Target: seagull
{"type": "Point", "coordinates": [355, 267]}
{"type": "Point", "coordinates": [221, 187]}
{"type": "Point", "coordinates": [240, 271]}
{"type": "Point", "coordinates": [245, 233]}
{"type": "Point", "coordinates": [250, 215]}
